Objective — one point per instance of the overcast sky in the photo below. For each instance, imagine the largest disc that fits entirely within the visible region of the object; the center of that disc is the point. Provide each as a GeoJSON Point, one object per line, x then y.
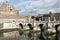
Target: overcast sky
{"type": "Point", "coordinates": [34, 7]}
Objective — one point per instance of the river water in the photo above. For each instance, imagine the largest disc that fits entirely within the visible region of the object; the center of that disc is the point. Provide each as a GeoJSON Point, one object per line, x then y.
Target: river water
{"type": "Point", "coordinates": [28, 35]}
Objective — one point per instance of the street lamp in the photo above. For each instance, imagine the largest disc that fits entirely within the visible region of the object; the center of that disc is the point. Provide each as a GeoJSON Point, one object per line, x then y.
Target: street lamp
{"type": "Point", "coordinates": [33, 21]}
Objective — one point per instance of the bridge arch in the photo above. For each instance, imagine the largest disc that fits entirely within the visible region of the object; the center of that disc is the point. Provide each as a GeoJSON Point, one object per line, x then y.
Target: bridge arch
{"type": "Point", "coordinates": [30, 26]}
{"type": "Point", "coordinates": [41, 27]}
{"type": "Point", "coordinates": [21, 25]}
{"type": "Point", "coordinates": [56, 27]}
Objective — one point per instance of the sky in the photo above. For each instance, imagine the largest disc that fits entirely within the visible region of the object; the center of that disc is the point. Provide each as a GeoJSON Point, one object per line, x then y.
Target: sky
{"type": "Point", "coordinates": [34, 7]}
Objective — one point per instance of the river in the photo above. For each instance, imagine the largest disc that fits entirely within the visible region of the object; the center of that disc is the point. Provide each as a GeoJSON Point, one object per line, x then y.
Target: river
{"type": "Point", "coordinates": [29, 35]}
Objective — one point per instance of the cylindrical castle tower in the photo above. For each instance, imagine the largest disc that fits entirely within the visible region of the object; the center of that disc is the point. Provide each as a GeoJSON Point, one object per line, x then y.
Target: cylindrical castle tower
{"type": "Point", "coordinates": [8, 10]}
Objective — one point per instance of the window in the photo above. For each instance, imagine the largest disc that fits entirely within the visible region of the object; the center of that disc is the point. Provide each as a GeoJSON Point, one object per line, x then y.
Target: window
{"type": "Point", "coordinates": [10, 9]}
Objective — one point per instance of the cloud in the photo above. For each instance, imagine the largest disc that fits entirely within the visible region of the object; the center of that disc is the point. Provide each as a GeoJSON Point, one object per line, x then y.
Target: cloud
{"type": "Point", "coordinates": [3, 1]}
{"type": "Point", "coordinates": [52, 10]}
{"type": "Point", "coordinates": [36, 6]}
{"type": "Point", "coordinates": [37, 3]}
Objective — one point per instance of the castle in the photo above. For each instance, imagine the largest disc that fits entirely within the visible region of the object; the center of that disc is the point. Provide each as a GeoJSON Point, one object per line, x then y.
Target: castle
{"type": "Point", "coordinates": [8, 15]}
{"type": "Point", "coordinates": [9, 18]}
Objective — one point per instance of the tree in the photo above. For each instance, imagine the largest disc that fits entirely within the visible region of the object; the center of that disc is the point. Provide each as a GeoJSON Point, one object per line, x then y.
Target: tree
{"type": "Point", "coordinates": [32, 17]}
{"type": "Point", "coordinates": [37, 18]}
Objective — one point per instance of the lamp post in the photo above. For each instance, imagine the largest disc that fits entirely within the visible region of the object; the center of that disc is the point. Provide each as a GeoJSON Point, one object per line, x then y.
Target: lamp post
{"type": "Point", "coordinates": [33, 21]}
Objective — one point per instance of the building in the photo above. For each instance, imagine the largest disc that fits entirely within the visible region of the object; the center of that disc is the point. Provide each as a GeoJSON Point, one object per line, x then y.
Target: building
{"type": "Point", "coordinates": [9, 18]}
{"type": "Point", "coordinates": [57, 16]}
{"type": "Point", "coordinates": [53, 16]}
{"type": "Point", "coordinates": [8, 10]}
{"type": "Point", "coordinates": [8, 13]}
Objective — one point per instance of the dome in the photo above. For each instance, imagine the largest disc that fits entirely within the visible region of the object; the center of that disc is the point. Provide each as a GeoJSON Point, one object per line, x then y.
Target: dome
{"type": "Point", "coordinates": [8, 10]}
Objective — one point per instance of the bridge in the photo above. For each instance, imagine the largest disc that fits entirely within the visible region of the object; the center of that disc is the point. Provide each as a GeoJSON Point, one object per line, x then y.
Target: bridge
{"type": "Point", "coordinates": [36, 27]}
{"type": "Point", "coordinates": [16, 29]}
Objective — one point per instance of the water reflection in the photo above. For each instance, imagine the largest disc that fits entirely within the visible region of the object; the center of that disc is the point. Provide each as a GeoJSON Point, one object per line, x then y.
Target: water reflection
{"type": "Point", "coordinates": [32, 36]}
{"type": "Point", "coordinates": [57, 36]}
{"type": "Point", "coordinates": [21, 33]}
{"type": "Point", "coordinates": [38, 36]}
{"type": "Point", "coordinates": [41, 37]}
{"type": "Point", "coordinates": [29, 35]}
{"type": "Point", "coordinates": [9, 36]}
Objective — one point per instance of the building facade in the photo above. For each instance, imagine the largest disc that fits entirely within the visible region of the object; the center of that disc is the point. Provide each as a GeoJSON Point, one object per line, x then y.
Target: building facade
{"type": "Point", "coordinates": [9, 18]}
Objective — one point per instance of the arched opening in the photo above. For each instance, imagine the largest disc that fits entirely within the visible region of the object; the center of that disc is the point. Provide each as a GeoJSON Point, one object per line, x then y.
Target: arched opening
{"type": "Point", "coordinates": [21, 25]}
{"type": "Point", "coordinates": [30, 26]}
{"type": "Point", "coordinates": [57, 32]}
{"type": "Point", "coordinates": [56, 27]}
{"type": "Point", "coordinates": [41, 27]}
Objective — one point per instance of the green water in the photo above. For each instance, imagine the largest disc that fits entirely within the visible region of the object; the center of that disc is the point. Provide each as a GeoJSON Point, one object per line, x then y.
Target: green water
{"type": "Point", "coordinates": [28, 35]}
